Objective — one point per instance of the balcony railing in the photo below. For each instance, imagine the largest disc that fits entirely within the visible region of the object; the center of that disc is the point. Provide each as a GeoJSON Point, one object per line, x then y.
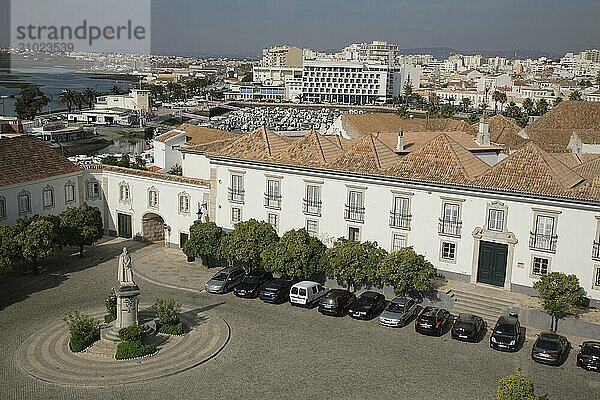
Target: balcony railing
{"type": "Point", "coordinates": [538, 241]}
{"type": "Point", "coordinates": [235, 195]}
{"type": "Point", "coordinates": [449, 227]}
{"type": "Point", "coordinates": [312, 207]}
{"type": "Point", "coordinates": [354, 213]}
{"type": "Point", "coordinates": [596, 250]}
{"type": "Point", "coordinates": [273, 201]}
{"type": "Point", "coordinates": [398, 220]}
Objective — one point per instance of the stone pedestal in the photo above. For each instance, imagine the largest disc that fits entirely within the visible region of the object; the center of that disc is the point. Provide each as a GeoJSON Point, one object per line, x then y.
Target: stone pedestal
{"type": "Point", "coordinates": [127, 306]}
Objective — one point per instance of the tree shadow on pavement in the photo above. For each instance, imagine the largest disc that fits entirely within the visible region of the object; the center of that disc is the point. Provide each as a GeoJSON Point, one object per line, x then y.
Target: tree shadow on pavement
{"type": "Point", "coordinates": [194, 316]}
{"type": "Point", "coordinates": [19, 284]}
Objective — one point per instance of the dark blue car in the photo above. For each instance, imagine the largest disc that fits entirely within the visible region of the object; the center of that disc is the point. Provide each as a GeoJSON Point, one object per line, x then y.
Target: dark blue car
{"type": "Point", "coordinates": [276, 291]}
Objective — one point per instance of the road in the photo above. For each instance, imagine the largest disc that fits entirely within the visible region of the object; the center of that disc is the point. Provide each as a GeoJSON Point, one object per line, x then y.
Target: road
{"type": "Point", "coordinates": [275, 351]}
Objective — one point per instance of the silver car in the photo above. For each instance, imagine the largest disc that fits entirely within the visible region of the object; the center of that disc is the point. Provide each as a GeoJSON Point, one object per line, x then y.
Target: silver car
{"type": "Point", "coordinates": [225, 280]}
{"type": "Point", "coordinates": [398, 312]}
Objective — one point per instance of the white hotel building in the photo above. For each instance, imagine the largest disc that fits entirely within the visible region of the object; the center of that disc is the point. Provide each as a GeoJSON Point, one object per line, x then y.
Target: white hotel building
{"type": "Point", "coordinates": [501, 224]}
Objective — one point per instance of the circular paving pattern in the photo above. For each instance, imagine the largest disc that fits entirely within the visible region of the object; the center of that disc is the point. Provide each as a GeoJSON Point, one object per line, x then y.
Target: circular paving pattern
{"type": "Point", "coordinates": [45, 355]}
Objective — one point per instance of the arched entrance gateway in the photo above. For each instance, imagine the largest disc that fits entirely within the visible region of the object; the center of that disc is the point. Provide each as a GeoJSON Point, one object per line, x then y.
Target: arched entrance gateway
{"type": "Point", "coordinates": [153, 228]}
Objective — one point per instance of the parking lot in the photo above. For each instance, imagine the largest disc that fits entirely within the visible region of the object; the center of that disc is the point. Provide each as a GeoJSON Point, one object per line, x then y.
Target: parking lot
{"type": "Point", "coordinates": [277, 351]}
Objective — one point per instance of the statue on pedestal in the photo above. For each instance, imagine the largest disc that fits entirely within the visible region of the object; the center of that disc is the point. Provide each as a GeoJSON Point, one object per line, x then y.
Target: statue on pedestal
{"type": "Point", "coordinates": [125, 273]}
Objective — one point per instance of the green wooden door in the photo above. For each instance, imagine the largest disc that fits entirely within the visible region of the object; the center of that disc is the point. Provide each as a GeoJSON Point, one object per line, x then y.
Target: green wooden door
{"type": "Point", "coordinates": [492, 263]}
{"type": "Point", "coordinates": [124, 225]}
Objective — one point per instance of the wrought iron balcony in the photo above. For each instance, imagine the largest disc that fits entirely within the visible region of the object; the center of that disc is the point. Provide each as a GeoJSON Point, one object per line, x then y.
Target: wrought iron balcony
{"type": "Point", "coordinates": [312, 207]}
{"type": "Point", "coordinates": [354, 213]}
{"type": "Point", "coordinates": [449, 227]}
{"type": "Point", "coordinates": [398, 220]}
{"type": "Point", "coordinates": [273, 201]}
{"type": "Point", "coordinates": [538, 241]}
{"type": "Point", "coordinates": [596, 250]}
{"type": "Point", "coordinates": [235, 195]}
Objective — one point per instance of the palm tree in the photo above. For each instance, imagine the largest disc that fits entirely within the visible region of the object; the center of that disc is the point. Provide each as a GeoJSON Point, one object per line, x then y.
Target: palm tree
{"type": "Point", "coordinates": [498, 97]}
{"type": "Point", "coordinates": [68, 98]}
{"type": "Point", "coordinates": [466, 103]}
{"type": "Point", "coordinates": [598, 79]}
{"type": "Point", "coordinates": [408, 87]}
{"type": "Point", "coordinates": [557, 101]}
{"type": "Point", "coordinates": [528, 105]}
{"type": "Point", "coordinates": [541, 106]}
{"type": "Point", "coordinates": [117, 90]}
{"type": "Point", "coordinates": [575, 96]}
{"type": "Point", "coordinates": [402, 112]}
{"type": "Point", "coordinates": [512, 110]}
{"type": "Point", "coordinates": [89, 96]}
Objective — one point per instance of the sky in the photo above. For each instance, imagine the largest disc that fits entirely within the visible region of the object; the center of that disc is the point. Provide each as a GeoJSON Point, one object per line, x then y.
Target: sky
{"type": "Point", "coordinates": [243, 27]}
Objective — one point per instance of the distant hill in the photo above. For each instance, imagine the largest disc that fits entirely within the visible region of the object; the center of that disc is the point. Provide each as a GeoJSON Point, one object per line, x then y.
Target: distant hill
{"type": "Point", "coordinates": [444, 52]}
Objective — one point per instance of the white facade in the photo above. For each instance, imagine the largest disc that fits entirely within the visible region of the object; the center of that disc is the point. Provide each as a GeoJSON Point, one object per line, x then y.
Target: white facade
{"type": "Point", "coordinates": [136, 100]}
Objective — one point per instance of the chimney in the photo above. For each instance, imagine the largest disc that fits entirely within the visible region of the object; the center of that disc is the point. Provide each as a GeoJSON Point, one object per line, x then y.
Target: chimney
{"type": "Point", "coordinates": [483, 136]}
{"type": "Point", "coordinates": [400, 143]}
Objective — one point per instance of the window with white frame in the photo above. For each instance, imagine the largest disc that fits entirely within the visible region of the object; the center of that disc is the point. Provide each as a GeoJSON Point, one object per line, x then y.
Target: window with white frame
{"type": "Point", "coordinates": [93, 190]}
{"type": "Point", "coordinates": [450, 222]}
{"type": "Point", "coordinates": [24, 200]}
{"type": "Point", "coordinates": [495, 219]}
{"type": "Point", "coordinates": [69, 192]}
{"type": "Point", "coordinates": [312, 201]}
{"type": "Point", "coordinates": [543, 237]}
{"type": "Point", "coordinates": [541, 266]}
{"type": "Point", "coordinates": [355, 208]}
{"type": "Point", "coordinates": [124, 195]}
{"type": "Point", "coordinates": [273, 194]}
{"type": "Point", "coordinates": [354, 233]}
{"type": "Point", "coordinates": [398, 241]}
{"type": "Point", "coordinates": [273, 219]}
{"type": "Point", "coordinates": [448, 251]}
{"type": "Point", "coordinates": [236, 214]}
{"type": "Point", "coordinates": [2, 207]}
{"type": "Point", "coordinates": [184, 203]}
{"type": "Point", "coordinates": [48, 197]}
{"type": "Point", "coordinates": [312, 227]}
{"type": "Point", "coordinates": [153, 197]}
{"type": "Point", "coordinates": [400, 215]}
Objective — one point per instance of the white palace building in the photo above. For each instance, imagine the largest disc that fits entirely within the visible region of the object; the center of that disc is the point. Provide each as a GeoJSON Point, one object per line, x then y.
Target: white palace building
{"type": "Point", "coordinates": [477, 214]}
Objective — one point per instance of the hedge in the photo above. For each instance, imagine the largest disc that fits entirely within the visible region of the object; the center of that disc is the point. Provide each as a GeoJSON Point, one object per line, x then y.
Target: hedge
{"type": "Point", "coordinates": [131, 349]}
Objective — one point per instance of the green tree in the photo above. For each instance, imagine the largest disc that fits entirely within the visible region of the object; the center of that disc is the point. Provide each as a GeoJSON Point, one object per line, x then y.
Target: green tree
{"type": "Point", "coordinates": [6, 249]}
{"type": "Point", "coordinates": [557, 101]}
{"type": "Point", "coordinates": [575, 96]}
{"type": "Point", "coordinates": [175, 170]}
{"type": "Point", "coordinates": [204, 241]}
{"type": "Point", "coordinates": [117, 90]}
{"type": "Point", "coordinates": [516, 387]}
{"type": "Point", "coordinates": [67, 98]}
{"type": "Point", "coordinates": [248, 240]}
{"type": "Point", "coordinates": [83, 329]}
{"type": "Point", "coordinates": [473, 118]}
{"type": "Point", "coordinates": [466, 103]}
{"type": "Point", "coordinates": [528, 105]}
{"type": "Point", "coordinates": [110, 160]}
{"type": "Point", "coordinates": [407, 271]}
{"type": "Point", "coordinates": [30, 102]}
{"type": "Point", "coordinates": [125, 161]}
{"type": "Point", "coordinates": [296, 255]}
{"type": "Point", "coordinates": [541, 106]}
{"type": "Point", "coordinates": [560, 294]}
{"type": "Point", "coordinates": [513, 110]}
{"type": "Point", "coordinates": [402, 112]}
{"type": "Point", "coordinates": [89, 96]}
{"type": "Point", "coordinates": [38, 241]}
{"type": "Point", "coordinates": [81, 226]}
{"type": "Point", "coordinates": [408, 87]}
{"type": "Point", "coordinates": [353, 262]}
{"type": "Point", "coordinates": [498, 97]}
{"type": "Point", "coordinates": [447, 111]}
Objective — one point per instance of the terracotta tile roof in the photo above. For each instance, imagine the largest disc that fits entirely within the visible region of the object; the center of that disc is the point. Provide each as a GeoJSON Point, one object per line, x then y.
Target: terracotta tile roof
{"type": "Point", "coordinates": [589, 169]}
{"type": "Point", "coordinates": [572, 160]}
{"type": "Point", "coordinates": [212, 147]}
{"type": "Point", "coordinates": [505, 132]}
{"type": "Point", "coordinates": [168, 135]}
{"type": "Point", "coordinates": [340, 142]}
{"type": "Point", "coordinates": [413, 141]}
{"type": "Point", "coordinates": [589, 189]}
{"type": "Point", "coordinates": [531, 170]}
{"type": "Point", "coordinates": [553, 130]}
{"type": "Point", "coordinates": [202, 135]}
{"type": "Point", "coordinates": [389, 122]}
{"type": "Point", "coordinates": [261, 144]}
{"type": "Point", "coordinates": [25, 159]}
{"type": "Point", "coordinates": [149, 174]}
{"type": "Point", "coordinates": [367, 155]}
{"type": "Point", "coordinates": [313, 149]}
{"type": "Point", "coordinates": [442, 159]}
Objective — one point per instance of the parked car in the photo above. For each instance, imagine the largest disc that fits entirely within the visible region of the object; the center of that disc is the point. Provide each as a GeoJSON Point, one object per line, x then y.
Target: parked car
{"type": "Point", "coordinates": [367, 306]}
{"type": "Point", "coordinates": [275, 291]}
{"type": "Point", "coordinates": [225, 280]}
{"type": "Point", "coordinates": [306, 293]}
{"type": "Point", "coordinates": [398, 312]}
{"type": "Point", "coordinates": [550, 348]}
{"type": "Point", "coordinates": [336, 302]}
{"type": "Point", "coordinates": [250, 285]}
{"type": "Point", "coordinates": [468, 327]}
{"type": "Point", "coordinates": [506, 333]}
{"type": "Point", "coordinates": [589, 356]}
{"type": "Point", "coordinates": [432, 320]}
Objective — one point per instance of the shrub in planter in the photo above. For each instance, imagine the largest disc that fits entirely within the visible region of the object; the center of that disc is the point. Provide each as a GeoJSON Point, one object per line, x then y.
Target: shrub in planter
{"type": "Point", "coordinates": [132, 349]}
{"type": "Point", "coordinates": [83, 329]}
{"type": "Point", "coordinates": [171, 329]}
{"type": "Point", "coordinates": [167, 311]}
{"type": "Point", "coordinates": [111, 307]}
{"type": "Point", "coordinates": [133, 333]}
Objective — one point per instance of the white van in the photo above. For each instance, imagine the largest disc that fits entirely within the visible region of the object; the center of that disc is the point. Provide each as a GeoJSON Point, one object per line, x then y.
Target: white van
{"type": "Point", "coordinates": [306, 293]}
